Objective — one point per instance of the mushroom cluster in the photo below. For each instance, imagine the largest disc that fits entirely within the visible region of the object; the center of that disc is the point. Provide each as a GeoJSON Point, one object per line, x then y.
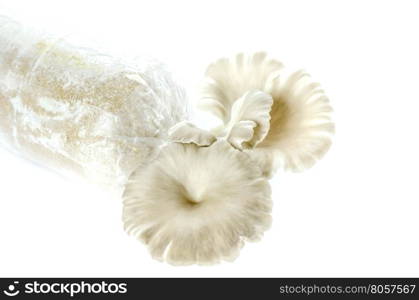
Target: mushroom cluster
{"type": "Point", "coordinates": [207, 192]}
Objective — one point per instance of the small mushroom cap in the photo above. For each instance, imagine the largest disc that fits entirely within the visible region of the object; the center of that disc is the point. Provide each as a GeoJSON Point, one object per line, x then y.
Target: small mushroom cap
{"type": "Point", "coordinates": [186, 132]}
{"type": "Point", "coordinates": [249, 121]}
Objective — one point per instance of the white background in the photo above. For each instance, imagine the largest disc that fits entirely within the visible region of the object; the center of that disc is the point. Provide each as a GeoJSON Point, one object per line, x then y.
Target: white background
{"type": "Point", "coordinates": [356, 213]}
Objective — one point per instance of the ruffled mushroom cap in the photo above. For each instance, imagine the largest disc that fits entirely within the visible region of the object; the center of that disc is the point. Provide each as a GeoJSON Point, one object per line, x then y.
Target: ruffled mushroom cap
{"type": "Point", "coordinates": [249, 120]}
{"type": "Point", "coordinates": [300, 117]}
{"type": "Point", "coordinates": [186, 132]}
{"type": "Point", "coordinates": [197, 205]}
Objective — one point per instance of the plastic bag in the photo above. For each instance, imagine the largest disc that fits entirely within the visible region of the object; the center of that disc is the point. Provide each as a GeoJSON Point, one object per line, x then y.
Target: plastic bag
{"type": "Point", "coordinates": [78, 111]}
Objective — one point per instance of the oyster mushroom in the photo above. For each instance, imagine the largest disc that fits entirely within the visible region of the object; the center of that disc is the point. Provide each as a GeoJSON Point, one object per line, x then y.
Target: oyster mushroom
{"type": "Point", "coordinates": [197, 205]}
{"type": "Point", "coordinates": [300, 117]}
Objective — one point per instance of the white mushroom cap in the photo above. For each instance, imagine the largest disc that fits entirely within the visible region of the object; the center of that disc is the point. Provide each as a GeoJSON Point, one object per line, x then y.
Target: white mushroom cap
{"type": "Point", "coordinates": [197, 204]}
{"type": "Point", "coordinates": [300, 125]}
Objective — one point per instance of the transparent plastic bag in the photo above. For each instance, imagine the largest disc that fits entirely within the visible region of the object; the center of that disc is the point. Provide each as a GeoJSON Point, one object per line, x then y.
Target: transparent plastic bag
{"type": "Point", "coordinates": [77, 111]}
